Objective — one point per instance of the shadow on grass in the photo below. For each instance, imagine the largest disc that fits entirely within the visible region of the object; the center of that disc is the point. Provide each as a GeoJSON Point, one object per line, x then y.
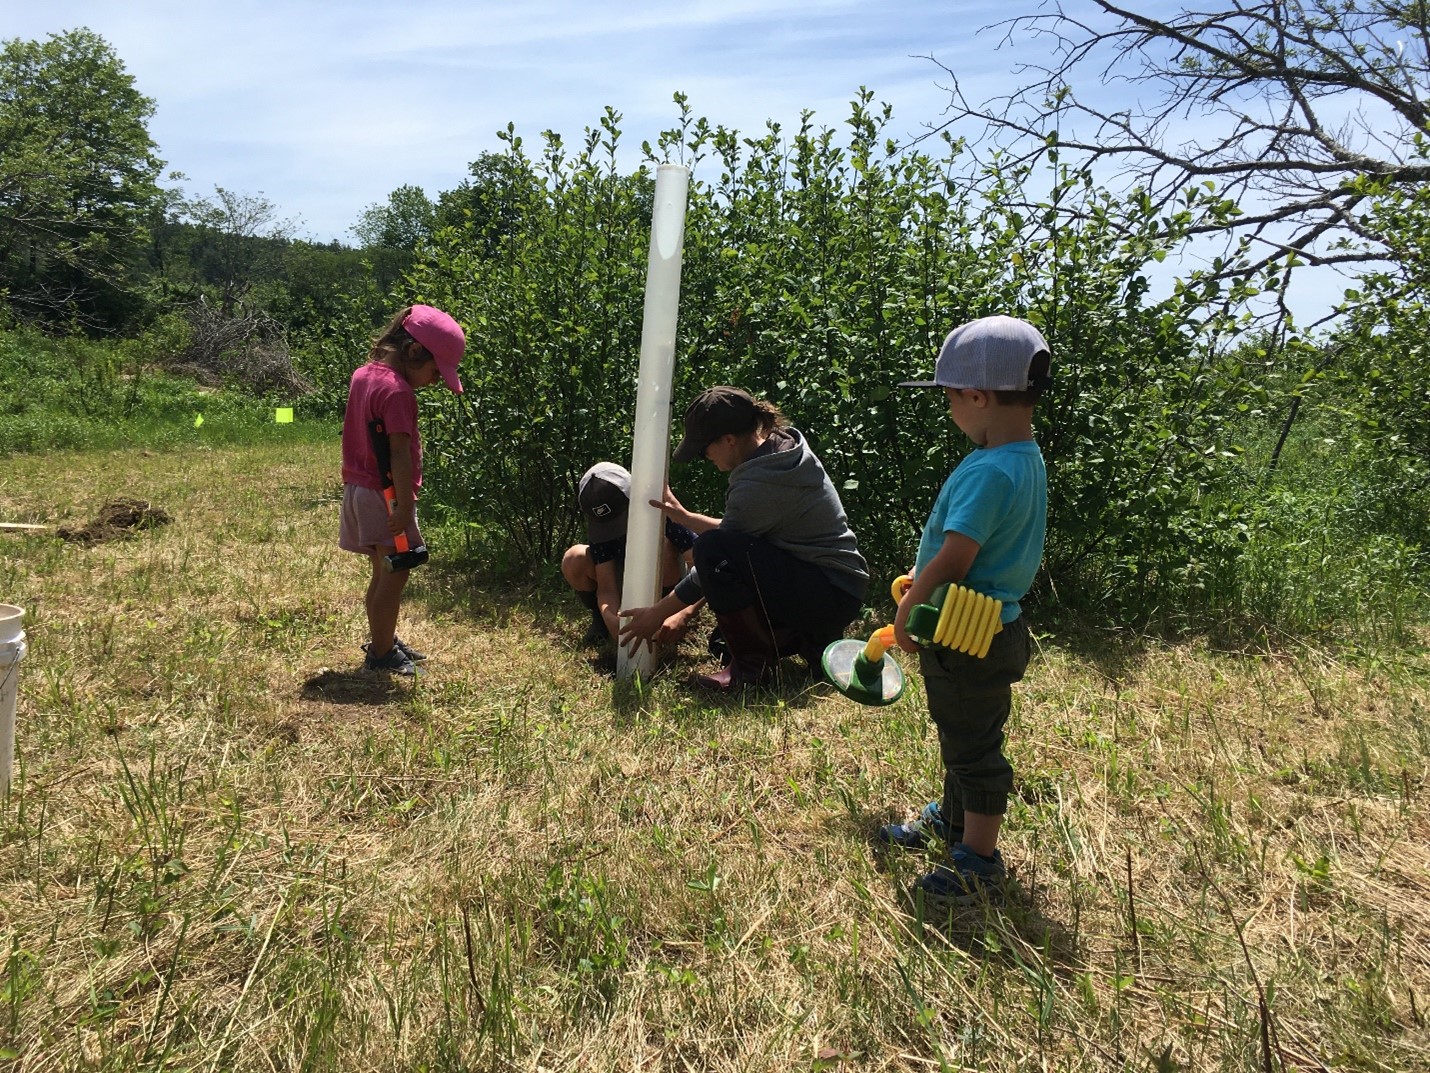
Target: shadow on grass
{"type": "Point", "coordinates": [1117, 652]}
{"type": "Point", "coordinates": [992, 933]}
{"type": "Point", "coordinates": [981, 929]}
{"type": "Point", "coordinates": [353, 687]}
{"type": "Point", "coordinates": [460, 589]}
{"type": "Point", "coordinates": [793, 688]}
{"type": "Point", "coordinates": [1113, 653]}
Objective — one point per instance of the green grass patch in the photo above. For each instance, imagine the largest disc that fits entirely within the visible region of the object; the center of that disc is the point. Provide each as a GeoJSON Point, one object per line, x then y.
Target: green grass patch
{"type": "Point", "coordinates": [228, 848]}
{"type": "Point", "coordinates": [72, 392]}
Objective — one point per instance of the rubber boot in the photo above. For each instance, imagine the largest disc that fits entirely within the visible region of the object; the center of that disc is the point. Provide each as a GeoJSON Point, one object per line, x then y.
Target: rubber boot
{"type": "Point", "coordinates": [596, 633]}
{"type": "Point", "coordinates": [752, 651]}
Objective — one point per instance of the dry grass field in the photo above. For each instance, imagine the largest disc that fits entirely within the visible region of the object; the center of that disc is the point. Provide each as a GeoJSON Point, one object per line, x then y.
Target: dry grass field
{"type": "Point", "coordinates": [227, 848]}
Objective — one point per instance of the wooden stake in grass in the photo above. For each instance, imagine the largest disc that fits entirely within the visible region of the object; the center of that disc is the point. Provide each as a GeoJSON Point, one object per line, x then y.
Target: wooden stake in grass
{"type": "Point", "coordinates": [1132, 914]}
{"type": "Point", "coordinates": [472, 962]}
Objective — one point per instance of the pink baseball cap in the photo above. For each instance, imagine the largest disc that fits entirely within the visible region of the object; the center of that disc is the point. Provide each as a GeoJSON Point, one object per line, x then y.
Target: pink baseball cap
{"type": "Point", "coordinates": [442, 337]}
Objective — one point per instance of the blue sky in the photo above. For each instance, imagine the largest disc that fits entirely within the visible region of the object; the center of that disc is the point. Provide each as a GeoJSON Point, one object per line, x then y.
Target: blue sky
{"type": "Point", "coordinates": [325, 108]}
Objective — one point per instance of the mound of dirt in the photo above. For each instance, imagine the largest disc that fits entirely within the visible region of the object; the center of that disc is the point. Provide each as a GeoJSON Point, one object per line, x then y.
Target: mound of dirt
{"type": "Point", "coordinates": [116, 519]}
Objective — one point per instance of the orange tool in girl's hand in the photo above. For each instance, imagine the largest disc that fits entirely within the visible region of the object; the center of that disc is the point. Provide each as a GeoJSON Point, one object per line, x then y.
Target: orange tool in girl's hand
{"type": "Point", "coordinates": [405, 558]}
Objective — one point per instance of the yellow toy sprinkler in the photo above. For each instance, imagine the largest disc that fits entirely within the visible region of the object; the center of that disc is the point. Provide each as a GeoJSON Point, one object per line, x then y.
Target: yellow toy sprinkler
{"type": "Point", "coordinates": [956, 617]}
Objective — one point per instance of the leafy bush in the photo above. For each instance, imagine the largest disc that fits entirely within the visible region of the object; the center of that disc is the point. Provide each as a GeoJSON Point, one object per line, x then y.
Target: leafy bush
{"type": "Point", "coordinates": [819, 274]}
{"type": "Point", "coordinates": [821, 271]}
{"type": "Point", "coordinates": [1322, 552]}
{"type": "Point", "coordinates": [553, 322]}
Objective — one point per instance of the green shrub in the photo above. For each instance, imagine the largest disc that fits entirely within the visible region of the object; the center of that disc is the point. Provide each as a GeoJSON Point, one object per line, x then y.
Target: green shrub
{"type": "Point", "coordinates": [821, 270]}
{"type": "Point", "coordinates": [819, 274]}
{"type": "Point", "coordinates": [1319, 552]}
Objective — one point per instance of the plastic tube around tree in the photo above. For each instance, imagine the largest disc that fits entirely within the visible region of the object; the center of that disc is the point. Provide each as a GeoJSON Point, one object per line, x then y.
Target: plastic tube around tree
{"type": "Point", "coordinates": [12, 651]}
{"type": "Point", "coordinates": [650, 449]}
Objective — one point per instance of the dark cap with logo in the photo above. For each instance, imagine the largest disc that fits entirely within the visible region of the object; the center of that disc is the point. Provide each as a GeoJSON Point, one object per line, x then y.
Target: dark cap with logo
{"type": "Point", "coordinates": [715, 412]}
{"type": "Point", "coordinates": [604, 495]}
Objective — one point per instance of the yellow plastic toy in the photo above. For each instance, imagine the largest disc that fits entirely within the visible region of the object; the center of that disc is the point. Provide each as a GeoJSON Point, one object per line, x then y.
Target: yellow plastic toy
{"type": "Point", "coordinates": [956, 618]}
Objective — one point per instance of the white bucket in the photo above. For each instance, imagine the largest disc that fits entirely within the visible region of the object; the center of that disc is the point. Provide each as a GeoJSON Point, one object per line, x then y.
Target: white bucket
{"type": "Point", "coordinates": [12, 651]}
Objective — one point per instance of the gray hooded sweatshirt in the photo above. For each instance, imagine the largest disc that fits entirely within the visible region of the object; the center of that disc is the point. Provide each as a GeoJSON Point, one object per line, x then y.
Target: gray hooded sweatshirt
{"type": "Point", "coordinates": [784, 497]}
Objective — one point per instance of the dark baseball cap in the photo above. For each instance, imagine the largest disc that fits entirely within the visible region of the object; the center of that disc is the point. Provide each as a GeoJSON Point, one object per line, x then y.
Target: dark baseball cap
{"type": "Point", "coordinates": [715, 412]}
{"type": "Point", "coordinates": [604, 496]}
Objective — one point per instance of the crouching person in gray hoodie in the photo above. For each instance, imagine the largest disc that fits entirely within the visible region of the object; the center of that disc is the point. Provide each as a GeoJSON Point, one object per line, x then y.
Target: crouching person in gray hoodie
{"type": "Point", "coordinates": [781, 570]}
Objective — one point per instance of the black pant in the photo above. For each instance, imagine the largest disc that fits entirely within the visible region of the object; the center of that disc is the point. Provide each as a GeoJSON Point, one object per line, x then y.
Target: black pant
{"type": "Point", "coordinates": [737, 571]}
{"type": "Point", "coordinates": [969, 701]}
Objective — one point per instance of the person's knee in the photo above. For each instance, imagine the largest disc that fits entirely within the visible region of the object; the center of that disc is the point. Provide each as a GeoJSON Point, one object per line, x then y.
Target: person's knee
{"type": "Point", "coordinates": [577, 567]}
{"type": "Point", "coordinates": [722, 555]}
{"type": "Point", "coordinates": [709, 546]}
{"type": "Point", "coordinates": [724, 572]}
{"type": "Point", "coordinates": [388, 584]}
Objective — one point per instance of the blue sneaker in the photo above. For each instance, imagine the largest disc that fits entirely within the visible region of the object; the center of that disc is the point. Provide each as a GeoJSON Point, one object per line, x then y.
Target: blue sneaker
{"type": "Point", "coordinates": [967, 879]}
{"type": "Point", "coordinates": [917, 833]}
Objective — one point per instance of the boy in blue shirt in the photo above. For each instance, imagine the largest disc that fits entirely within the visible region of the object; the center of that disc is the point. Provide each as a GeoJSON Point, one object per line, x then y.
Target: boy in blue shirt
{"type": "Point", "coordinates": [985, 532]}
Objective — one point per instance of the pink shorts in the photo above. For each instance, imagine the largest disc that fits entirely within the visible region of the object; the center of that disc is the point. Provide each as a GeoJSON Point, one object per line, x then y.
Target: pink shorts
{"type": "Point", "coordinates": [364, 522]}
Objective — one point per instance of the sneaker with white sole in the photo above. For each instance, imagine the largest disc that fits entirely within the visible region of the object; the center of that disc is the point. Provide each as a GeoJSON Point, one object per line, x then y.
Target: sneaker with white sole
{"type": "Point", "coordinates": [917, 833]}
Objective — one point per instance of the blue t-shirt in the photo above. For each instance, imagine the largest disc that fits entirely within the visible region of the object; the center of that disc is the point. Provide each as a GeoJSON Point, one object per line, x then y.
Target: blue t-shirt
{"type": "Point", "coordinates": [997, 497]}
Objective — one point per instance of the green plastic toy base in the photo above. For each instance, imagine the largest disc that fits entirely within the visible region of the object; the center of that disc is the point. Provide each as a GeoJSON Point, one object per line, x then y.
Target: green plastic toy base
{"type": "Point", "coordinates": [857, 678]}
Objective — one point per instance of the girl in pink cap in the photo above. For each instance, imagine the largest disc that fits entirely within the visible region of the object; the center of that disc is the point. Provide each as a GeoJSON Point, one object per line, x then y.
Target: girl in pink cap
{"type": "Point", "coordinates": [420, 346]}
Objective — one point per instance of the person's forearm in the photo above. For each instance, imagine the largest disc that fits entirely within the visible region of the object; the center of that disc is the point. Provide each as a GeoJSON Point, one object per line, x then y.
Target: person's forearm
{"type": "Point", "coordinates": [643, 623]}
{"type": "Point", "coordinates": [925, 582]}
{"type": "Point", "coordinates": [700, 523]}
{"type": "Point", "coordinates": [675, 511]}
{"type": "Point", "coordinates": [689, 611]}
{"type": "Point", "coordinates": [949, 566]}
{"type": "Point", "coordinates": [669, 604]}
{"type": "Point", "coordinates": [404, 494]}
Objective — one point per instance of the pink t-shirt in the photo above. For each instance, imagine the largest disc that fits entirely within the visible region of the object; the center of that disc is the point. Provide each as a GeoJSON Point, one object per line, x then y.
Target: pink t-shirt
{"type": "Point", "coordinates": [377, 391]}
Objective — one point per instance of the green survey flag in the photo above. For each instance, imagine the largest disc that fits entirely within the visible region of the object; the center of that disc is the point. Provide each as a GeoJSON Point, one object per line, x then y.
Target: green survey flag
{"type": "Point", "coordinates": [283, 415]}
{"type": "Point", "coordinates": [198, 420]}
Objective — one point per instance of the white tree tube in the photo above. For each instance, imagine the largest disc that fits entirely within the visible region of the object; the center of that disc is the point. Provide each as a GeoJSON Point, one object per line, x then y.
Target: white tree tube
{"type": "Point", "coordinates": [650, 449]}
{"type": "Point", "coordinates": [12, 651]}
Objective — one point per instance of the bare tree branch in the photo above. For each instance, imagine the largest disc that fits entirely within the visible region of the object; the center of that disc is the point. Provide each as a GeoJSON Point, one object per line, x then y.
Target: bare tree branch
{"type": "Point", "coordinates": [1292, 107]}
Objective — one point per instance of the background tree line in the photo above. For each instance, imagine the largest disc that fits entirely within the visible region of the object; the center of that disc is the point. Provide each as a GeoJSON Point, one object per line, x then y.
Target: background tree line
{"type": "Point", "coordinates": [1207, 464]}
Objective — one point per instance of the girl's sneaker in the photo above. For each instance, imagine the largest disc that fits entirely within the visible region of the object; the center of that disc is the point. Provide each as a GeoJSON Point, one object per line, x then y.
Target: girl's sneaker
{"type": "Point", "coordinates": [394, 662]}
{"type": "Point", "coordinates": [917, 833]}
{"type": "Point", "coordinates": [967, 879]}
{"type": "Point", "coordinates": [408, 651]}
